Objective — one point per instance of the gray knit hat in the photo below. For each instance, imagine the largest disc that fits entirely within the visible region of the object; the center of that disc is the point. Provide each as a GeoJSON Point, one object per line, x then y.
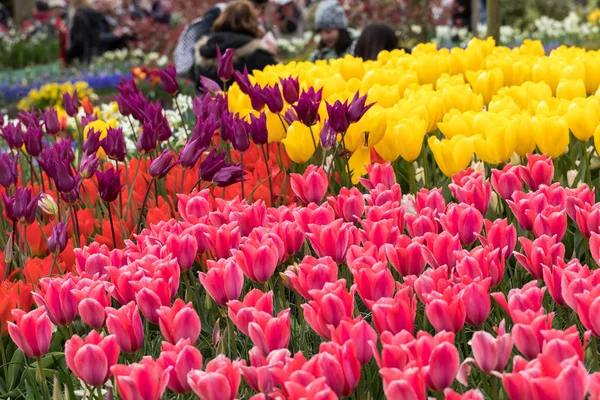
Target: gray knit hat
{"type": "Point", "coordinates": [330, 15]}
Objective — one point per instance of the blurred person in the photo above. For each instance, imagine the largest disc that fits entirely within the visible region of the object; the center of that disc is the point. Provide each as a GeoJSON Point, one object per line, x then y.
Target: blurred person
{"type": "Point", "coordinates": [112, 36]}
{"type": "Point", "coordinates": [184, 52]}
{"type": "Point", "coordinates": [58, 11]}
{"type": "Point", "coordinates": [374, 39]}
{"type": "Point", "coordinates": [84, 31]}
{"type": "Point", "coordinates": [236, 28]}
{"type": "Point", "coordinates": [4, 16]}
{"type": "Point", "coordinates": [289, 19]}
{"type": "Point", "coordinates": [332, 26]}
{"type": "Point", "coordinates": [41, 13]}
{"type": "Point", "coordinates": [159, 12]}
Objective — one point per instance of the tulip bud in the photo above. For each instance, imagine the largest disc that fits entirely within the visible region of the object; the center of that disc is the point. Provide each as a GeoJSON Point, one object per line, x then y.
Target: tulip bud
{"type": "Point", "coordinates": [47, 204]}
{"type": "Point", "coordinates": [272, 98]}
{"type": "Point", "coordinates": [225, 64]}
{"type": "Point", "coordinates": [51, 121]}
{"type": "Point", "coordinates": [168, 76]}
{"type": "Point", "coordinates": [58, 239]}
{"type": "Point", "coordinates": [8, 250]}
{"type": "Point", "coordinates": [160, 166]}
{"type": "Point", "coordinates": [70, 103]}
{"type": "Point", "coordinates": [291, 89]}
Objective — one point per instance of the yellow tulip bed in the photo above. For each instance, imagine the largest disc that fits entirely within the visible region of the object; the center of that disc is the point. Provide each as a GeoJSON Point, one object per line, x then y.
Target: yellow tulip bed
{"type": "Point", "coordinates": [486, 101]}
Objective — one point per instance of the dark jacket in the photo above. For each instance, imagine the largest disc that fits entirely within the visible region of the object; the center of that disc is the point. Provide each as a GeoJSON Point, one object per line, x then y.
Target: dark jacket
{"type": "Point", "coordinates": [85, 35]}
{"type": "Point", "coordinates": [249, 52]}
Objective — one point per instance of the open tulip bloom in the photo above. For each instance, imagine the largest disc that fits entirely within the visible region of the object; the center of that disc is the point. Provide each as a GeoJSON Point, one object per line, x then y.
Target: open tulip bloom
{"type": "Point", "coordinates": [420, 226]}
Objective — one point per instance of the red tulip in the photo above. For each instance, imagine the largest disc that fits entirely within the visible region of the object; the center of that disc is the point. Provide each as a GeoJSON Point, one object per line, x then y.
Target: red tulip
{"type": "Point", "coordinates": [223, 281]}
{"type": "Point", "coordinates": [144, 380]}
{"type": "Point", "coordinates": [552, 221]}
{"type": "Point", "coordinates": [507, 181]}
{"type": "Point", "coordinates": [422, 223]}
{"type": "Point", "coordinates": [349, 204]}
{"type": "Point", "coordinates": [154, 294]}
{"type": "Point", "coordinates": [260, 375]}
{"type": "Point", "coordinates": [311, 273]}
{"type": "Point", "coordinates": [500, 235]}
{"type": "Point", "coordinates": [404, 384]}
{"type": "Point", "coordinates": [380, 232]}
{"type": "Point", "coordinates": [223, 239]}
{"type": "Point", "coordinates": [91, 359]}
{"type": "Point", "coordinates": [241, 312]}
{"type": "Point", "coordinates": [31, 332]}
{"type": "Point", "coordinates": [181, 358]}
{"type": "Point", "coordinates": [333, 240]}
{"type": "Point", "coordinates": [312, 186]}
{"type": "Point", "coordinates": [179, 322]}
{"type": "Point", "coordinates": [374, 282]}
{"type": "Point", "coordinates": [55, 295]}
{"type": "Point", "coordinates": [329, 307]}
{"type": "Point", "coordinates": [539, 171]}
{"type": "Point", "coordinates": [358, 331]}
{"type": "Point", "coordinates": [476, 297]}
{"type": "Point", "coordinates": [219, 381]}
{"type": "Point", "coordinates": [464, 220]}
{"type": "Point", "coordinates": [395, 314]}
{"type": "Point", "coordinates": [545, 250]}
{"type": "Point", "coordinates": [379, 174]}
{"type": "Point", "coordinates": [126, 324]}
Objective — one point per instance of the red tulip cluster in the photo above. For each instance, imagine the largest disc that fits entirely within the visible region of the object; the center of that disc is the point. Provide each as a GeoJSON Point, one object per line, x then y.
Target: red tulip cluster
{"type": "Point", "coordinates": [441, 301]}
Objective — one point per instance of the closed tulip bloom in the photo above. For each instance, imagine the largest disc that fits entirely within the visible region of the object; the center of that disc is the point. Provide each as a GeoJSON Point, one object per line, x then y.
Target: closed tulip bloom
{"type": "Point", "coordinates": [31, 332]}
{"type": "Point", "coordinates": [60, 303]}
{"type": "Point", "coordinates": [151, 296]}
{"type": "Point", "coordinates": [272, 98]}
{"type": "Point", "coordinates": [168, 76]}
{"type": "Point", "coordinates": [329, 307]}
{"type": "Point", "coordinates": [258, 129]}
{"type": "Point", "coordinates": [349, 204]}
{"type": "Point", "coordinates": [583, 118]}
{"type": "Point", "coordinates": [58, 239]}
{"type": "Point", "coordinates": [507, 181]}
{"type": "Point", "coordinates": [485, 82]}
{"type": "Point", "coordinates": [91, 359]}
{"type": "Point", "coordinates": [405, 139]}
{"type": "Point", "coordinates": [70, 103]}
{"type": "Point", "coordinates": [538, 171]}
{"type": "Point", "coordinates": [333, 240]}
{"type": "Point", "coordinates": [290, 88]}
{"type": "Point", "coordinates": [184, 248]}
{"type": "Point", "coordinates": [307, 108]}
{"type": "Point", "coordinates": [298, 143]}
{"type": "Point", "coordinates": [126, 324]}
{"type": "Point", "coordinates": [311, 273]}
{"type": "Point", "coordinates": [340, 366]}
{"type": "Point", "coordinates": [144, 380]}
{"type": "Point", "coordinates": [13, 135]}
{"type": "Point", "coordinates": [312, 186]}
{"type": "Point", "coordinates": [225, 66]}
{"type": "Point", "coordinates": [551, 135]}
{"type": "Point", "coordinates": [109, 184]}
{"type": "Point", "coordinates": [476, 297]}
{"type": "Point", "coordinates": [8, 170]}
{"type": "Point", "coordinates": [228, 175]}
{"type": "Point", "coordinates": [292, 236]}
{"type": "Point", "coordinates": [181, 358]}
{"type": "Point", "coordinates": [464, 220]}
{"type": "Point", "coordinates": [546, 250]}
{"type": "Point", "coordinates": [472, 189]}
{"type": "Point", "coordinates": [443, 366]}
{"type": "Point", "coordinates": [258, 260]}
{"type": "Point", "coordinates": [93, 300]}
{"type": "Point", "coordinates": [451, 156]}
{"type": "Point", "coordinates": [161, 165]}
{"type": "Point", "coordinates": [395, 314]}
{"type": "Point", "coordinates": [492, 353]}
{"type": "Point", "coordinates": [88, 165]}
{"type": "Point", "coordinates": [270, 333]}
{"type": "Point", "coordinates": [179, 322]}
{"type": "Point", "coordinates": [51, 121]}
{"type": "Point", "coordinates": [360, 333]}
{"type": "Point", "coordinates": [240, 312]}
{"type": "Point", "coordinates": [552, 221]}
{"type": "Point", "coordinates": [223, 280]}
{"type": "Point", "coordinates": [22, 207]}
{"type": "Point", "coordinates": [446, 311]}
{"type": "Point", "coordinates": [114, 144]}
{"type": "Point", "coordinates": [219, 381]}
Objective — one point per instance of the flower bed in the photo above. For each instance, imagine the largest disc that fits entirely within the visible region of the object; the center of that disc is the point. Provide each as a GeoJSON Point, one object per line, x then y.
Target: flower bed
{"type": "Point", "coordinates": [256, 243]}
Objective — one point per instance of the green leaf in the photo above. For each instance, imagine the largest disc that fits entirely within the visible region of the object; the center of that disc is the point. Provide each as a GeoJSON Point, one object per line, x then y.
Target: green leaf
{"type": "Point", "coordinates": [15, 368]}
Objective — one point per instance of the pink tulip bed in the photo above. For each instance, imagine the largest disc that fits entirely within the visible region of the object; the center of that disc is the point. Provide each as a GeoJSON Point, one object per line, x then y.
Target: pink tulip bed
{"type": "Point", "coordinates": [364, 294]}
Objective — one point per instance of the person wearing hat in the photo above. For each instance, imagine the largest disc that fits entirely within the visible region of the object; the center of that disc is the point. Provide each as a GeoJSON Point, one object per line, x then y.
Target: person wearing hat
{"type": "Point", "coordinates": [332, 26]}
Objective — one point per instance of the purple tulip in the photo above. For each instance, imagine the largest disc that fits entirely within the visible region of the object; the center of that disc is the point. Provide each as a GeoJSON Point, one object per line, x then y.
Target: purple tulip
{"type": "Point", "coordinates": [70, 103]}
{"type": "Point", "coordinates": [204, 130]}
{"type": "Point", "coordinates": [307, 108]}
{"type": "Point", "coordinates": [109, 184]}
{"type": "Point", "coordinates": [357, 108]}
{"type": "Point", "coordinates": [191, 152]}
{"type": "Point", "coordinates": [228, 175]}
{"type": "Point", "coordinates": [161, 165]}
{"type": "Point", "coordinates": [21, 207]}
{"type": "Point", "coordinates": [272, 98]}
{"type": "Point", "coordinates": [114, 144]}
{"type": "Point", "coordinates": [13, 134]}
{"type": "Point", "coordinates": [64, 150]}
{"type": "Point", "coordinates": [243, 81]}
{"type": "Point", "coordinates": [92, 143]}
{"type": "Point", "coordinates": [57, 169]}
{"type": "Point", "coordinates": [147, 140]}
{"type": "Point", "coordinates": [328, 136]}
{"type": "Point", "coordinates": [29, 119]}
{"type": "Point", "coordinates": [240, 139]}
{"type": "Point", "coordinates": [291, 89]}
{"type": "Point", "coordinates": [1, 119]}
{"type": "Point", "coordinates": [256, 99]}
{"type": "Point", "coordinates": [290, 116]}
{"type": "Point", "coordinates": [88, 119]}
{"type": "Point", "coordinates": [88, 165]}
{"type": "Point", "coordinates": [338, 119]}
{"type": "Point", "coordinates": [58, 239]}
{"type": "Point", "coordinates": [8, 170]}
{"type": "Point", "coordinates": [51, 121]}
{"type": "Point", "coordinates": [225, 66]}
{"type": "Point", "coordinates": [258, 129]}
{"type": "Point", "coordinates": [72, 196]}
{"type": "Point", "coordinates": [209, 86]}
{"type": "Point", "coordinates": [168, 76]}
{"type": "Point", "coordinates": [211, 164]}
{"type": "Point", "coordinates": [33, 141]}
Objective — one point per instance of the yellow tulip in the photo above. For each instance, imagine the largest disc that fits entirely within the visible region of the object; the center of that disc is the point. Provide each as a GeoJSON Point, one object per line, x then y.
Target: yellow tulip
{"type": "Point", "coordinates": [522, 127]}
{"type": "Point", "coordinates": [548, 71]}
{"type": "Point", "coordinates": [298, 143]}
{"type": "Point", "coordinates": [597, 139]}
{"type": "Point", "coordinates": [456, 123]}
{"type": "Point", "coordinates": [405, 139]}
{"type": "Point", "coordinates": [591, 64]}
{"type": "Point", "coordinates": [358, 163]}
{"type": "Point", "coordinates": [368, 131]}
{"type": "Point", "coordinates": [551, 135]}
{"type": "Point", "coordinates": [451, 156]}
{"type": "Point", "coordinates": [385, 96]}
{"type": "Point", "coordinates": [487, 83]}
{"type": "Point", "coordinates": [496, 144]}
{"type": "Point", "coordinates": [461, 98]}
{"type": "Point", "coordinates": [583, 118]}
{"type": "Point", "coordinates": [101, 127]}
{"type": "Point", "coordinates": [570, 89]}
{"type": "Point", "coordinates": [333, 85]}
{"type": "Point", "coordinates": [352, 68]}
{"type": "Point", "coordinates": [275, 127]}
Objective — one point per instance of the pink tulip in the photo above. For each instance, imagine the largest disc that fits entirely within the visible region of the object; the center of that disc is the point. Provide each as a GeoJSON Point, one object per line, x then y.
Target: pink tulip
{"type": "Point", "coordinates": [366, 253]}
{"type": "Point", "coordinates": [397, 313]}
{"type": "Point", "coordinates": [507, 181]}
{"type": "Point", "coordinates": [123, 281]}
{"type": "Point", "coordinates": [311, 273]}
{"type": "Point", "coordinates": [55, 295]}
{"type": "Point", "coordinates": [93, 300]}
{"type": "Point", "coordinates": [565, 344]}
{"type": "Point", "coordinates": [219, 381]}
{"type": "Point", "coordinates": [595, 247]}
{"type": "Point", "coordinates": [481, 263]}
{"type": "Point", "coordinates": [492, 354]}
{"type": "Point", "coordinates": [553, 278]}
{"type": "Point", "coordinates": [545, 250]}
{"type": "Point", "coordinates": [473, 394]}
{"type": "Point", "coordinates": [126, 324]}
{"type": "Point", "coordinates": [223, 281]}
{"type": "Point", "coordinates": [358, 331]}
{"type": "Point", "coordinates": [329, 307]}
{"type": "Point", "coordinates": [223, 238]}
{"type": "Point", "coordinates": [184, 248]}
{"type": "Point", "coordinates": [154, 293]}
{"type": "Point", "coordinates": [552, 221]}
{"type": "Point", "coordinates": [528, 337]}
{"type": "Point", "coordinates": [422, 223]}
{"type": "Point", "coordinates": [270, 333]}
{"type": "Point", "coordinates": [315, 389]}
{"type": "Point", "coordinates": [575, 280]}
{"type": "Point", "coordinates": [594, 386]}
{"type": "Point", "coordinates": [333, 240]}
{"type": "Point", "coordinates": [258, 260]}
{"type": "Point", "coordinates": [404, 384]}
{"type": "Point", "coordinates": [241, 312]}
{"type": "Point", "coordinates": [179, 322]}
{"type": "Point", "coordinates": [181, 358]}
{"type": "Point", "coordinates": [144, 380]}
{"type": "Point", "coordinates": [441, 249]}
{"type": "Point", "coordinates": [92, 359]}
{"type": "Point", "coordinates": [312, 186]}
{"type": "Point", "coordinates": [523, 304]}
{"type": "Point", "coordinates": [195, 206]}
{"type": "Point", "coordinates": [374, 282]}
{"type": "Point", "coordinates": [349, 204]}
{"type": "Point", "coordinates": [588, 306]}
{"type": "Point", "coordinates": [539, 171]}
{"type": "Point", "coordinates": [446, 311]}
{"type": "Point", "coordinates": [380, 232]}
{"type": "Point", "coordinates": [31, 332]}
{"type": "Point", "coordinates": [471, 189]}
{"type": "Point", "coordinates": [93, 259]}
{"type": "Point", "coordinates": [526, 206]}
{"type": "Point", "coordinates": [253, 216]}
{"type": "Point", "coordinates": [464, 220]}
{"type": "Point", "coordinates": [379, 174]}
{"type": "Point", "coordinates": [476, 297]}
{"type": "Point", "coordinates": [313, 214]}
{"type": "Point", "coordinates": [292, 236]}
{"type": "Point", "coordinates": [432, 199]}
{"type": "Point", "coordinates": [500, 235]}
{"type": "Point", "coordinates": [381, 195]}
{"type": "Point", "coordinates": [260, 375]}
{"type": "Point", "coordinates": [579, 198]}
{"type": "Point", "coordinates": [406, 255]}
{"type": "Point", "coordinates": [340, 366]}
{"type": "Point", "coordinates": [390, 210]}
{"type": "Point", "coordinates": [443, 366]}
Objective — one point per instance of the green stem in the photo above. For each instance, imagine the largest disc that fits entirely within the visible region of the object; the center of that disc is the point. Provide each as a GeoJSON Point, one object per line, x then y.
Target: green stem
{"type": "Point", "coordinates": [594, 343]}
{"type": "Point", "coordinates": [112, 227]}
{"type": "Point", "coordinates": [588, 176]}
{"type": "Point", "coordinates": [187, 134]}
{"type": "Point", "coordinates": [265, 153]}
{"type": "Point", "coordinates": [42, 377]}
{"type": "Point", "coordinates": [494, 388]}
{"type": "Point", "coordinates": [412, 180]}
{"type": "Point", "coordinates": [3, 356]}
{"type": "Point", "coordinates": [312, 136]}
{"type": "Point", "coordinates": [139, 223]}
{"type": "Point", "coordinates": [231, 339]}
{"type": "Point", "coordinates": [346, 160]}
